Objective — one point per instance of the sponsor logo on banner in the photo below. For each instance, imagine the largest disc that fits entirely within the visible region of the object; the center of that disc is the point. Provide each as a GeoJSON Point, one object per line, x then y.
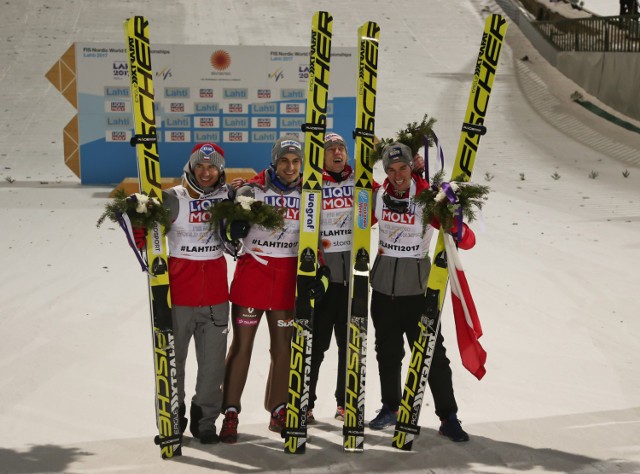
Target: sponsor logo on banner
{"type": "Point", "coordinates": [117, 135]}
{"type": "Point", "coordinates": [264, 108]}
{"type": "Point", "coordinates": [238, 137]}
{"type": "Point", "coordinates": [176, 107]}
{"type": "Point", "coordinates": [120, 69]}
{"type": "Point", "coordinates": [176, 92]}
{"type": "Point", "coordinates": [117, 106]}
{"type": "Point", "coordinates": [199, 136]}
{"type": "Point", "coordinates": [206, 107]}
{"type": "Point", "coordinates": [235, 93]}
{"type": "Point", "coordinates": [264, 93]}
{"type": "Point", "coordinates": [110, 91]}
{"type": "Point", "coordinates": [303, 72]}
{"type": "Point", "coordinates": [292, 108]}
{"type": "Point", "coordinates": [235, 122]}
{"type": "Point", "coordinates": [264, 122]}
{"type": "Point", "coordinates": [264, 137]}
{"type": "Point", "coordinates": [220, 60]}
{"type": "Point", "coordinates": [164, 73]}
{"type": "Point", "coordinates": [235, 108]}
{"type": "Point", "coordinates": [292, 94]}
{"type": "Point", "coordinates": [291, 122]}
{"type": "Point", "coordinates": [277, 74]}
{"type": "Point", "coordinates": [118, 121]}
{"type": "Point", "coordinates": [177, 136]}
{"type": "Point", "coordinates": [298, 135]}
{"type": "Point", "coordinates": [206, 93]}
{"type": "Point", "coordinates": [205, 122]}
{"type": "Point", "coordinates": [177, 122]}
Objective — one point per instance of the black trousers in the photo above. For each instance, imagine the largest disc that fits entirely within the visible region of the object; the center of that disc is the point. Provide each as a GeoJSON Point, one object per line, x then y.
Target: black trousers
{"type": "Point", "coordinates": [394, 318]}
{"type": "Point", "coordinates": [330, 318]}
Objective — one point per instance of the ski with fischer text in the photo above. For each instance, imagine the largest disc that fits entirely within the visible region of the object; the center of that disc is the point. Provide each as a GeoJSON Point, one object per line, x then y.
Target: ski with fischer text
{"type": "Point", "coordinates": [353, 428]}
{"type": "Point", "coordinates": [407, 427]}
{"type": "Point", "coordinates": [295, 433]}
{"type": "Point", "coordinates": [144, 139]}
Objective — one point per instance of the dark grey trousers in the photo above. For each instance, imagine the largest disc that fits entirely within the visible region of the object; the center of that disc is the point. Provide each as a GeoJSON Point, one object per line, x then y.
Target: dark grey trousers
{"type": "Point", "coordinates": [209, 326]}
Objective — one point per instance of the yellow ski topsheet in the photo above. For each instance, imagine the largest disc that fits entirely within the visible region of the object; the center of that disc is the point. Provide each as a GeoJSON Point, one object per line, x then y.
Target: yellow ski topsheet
{"type": "Point", "coordinates": [136, 31]}
{"type": "Point", "coordinates": [310, 206]}
{"type": "Point", "coordinates": [353, 432]}
{"type": "Point", "coordinates": [490, 48]}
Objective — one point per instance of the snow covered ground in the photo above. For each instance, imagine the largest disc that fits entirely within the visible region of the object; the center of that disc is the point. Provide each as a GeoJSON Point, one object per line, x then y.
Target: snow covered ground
{"type": "Point", "coordinates": [603, 7]}
{"type": "Point", "coordinates": [553, 274]}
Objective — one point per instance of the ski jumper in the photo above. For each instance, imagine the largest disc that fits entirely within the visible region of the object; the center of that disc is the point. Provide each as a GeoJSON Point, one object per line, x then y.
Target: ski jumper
{"type": "Point", "coordinates": [398, 279]}
{"type": "Point", "coordinates": [264, 281]}
{"type": "Point", "coordinates": [199, 293]}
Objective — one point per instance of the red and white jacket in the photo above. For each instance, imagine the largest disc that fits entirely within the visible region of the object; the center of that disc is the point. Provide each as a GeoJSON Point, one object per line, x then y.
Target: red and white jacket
{"type": "Point", "coordinates": [197, 267]}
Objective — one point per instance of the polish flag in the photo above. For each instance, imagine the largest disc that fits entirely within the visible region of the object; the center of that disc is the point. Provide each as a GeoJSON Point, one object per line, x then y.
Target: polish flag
{"type": "Point", "coordinates": [465, 315]}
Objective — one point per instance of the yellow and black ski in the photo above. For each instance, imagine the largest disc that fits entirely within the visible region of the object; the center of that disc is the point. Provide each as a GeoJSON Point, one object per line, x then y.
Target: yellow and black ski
{"type": "Point", "coordinates": [407, 427]}
{"type": "Point", "coordinates": [353, 428]}
{"type": "Point", "coordinates": [295, 433]}
{"type": "Point", "coordinates": [169, 438]}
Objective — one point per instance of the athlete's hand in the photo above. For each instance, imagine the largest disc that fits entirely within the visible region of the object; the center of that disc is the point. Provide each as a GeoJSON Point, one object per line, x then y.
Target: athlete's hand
{"type": "Point", "coordinates": [140, 237]}
{"type": "Point", "coordinates": [237, 182]}
{"type": "Point", "coordinates": [319, 287]}
{"type": "Point", "coordinates": [238, 230]}
{"type": "Point", "coordinates": [418, 164]}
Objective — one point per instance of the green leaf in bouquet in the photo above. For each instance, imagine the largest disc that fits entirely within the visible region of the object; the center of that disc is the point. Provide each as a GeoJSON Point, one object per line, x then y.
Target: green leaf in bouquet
{"type": "Point", "coordinates": [246, 209]}
{"type": "Point", "coordinates": [142, 210]}
{"type": "Point", "coordinates": [470, 198]}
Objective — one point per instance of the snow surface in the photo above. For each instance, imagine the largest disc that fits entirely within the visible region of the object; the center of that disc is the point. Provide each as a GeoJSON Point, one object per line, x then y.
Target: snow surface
{"type": "Point", "coordinates": [553, 274]}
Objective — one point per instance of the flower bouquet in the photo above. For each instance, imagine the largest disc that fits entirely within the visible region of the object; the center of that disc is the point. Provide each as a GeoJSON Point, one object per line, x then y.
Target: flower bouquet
{"type": "Point", "coordinates": [413, 135]}
{"type": "Point", "coordinates": [142, 210]}
{"type": "Point", "coordinates": [449, 202]}
{"type": "Point", "coordinates": [246, 209]}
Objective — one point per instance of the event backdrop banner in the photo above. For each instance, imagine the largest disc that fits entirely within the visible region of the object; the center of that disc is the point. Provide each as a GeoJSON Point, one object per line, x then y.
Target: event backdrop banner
{"type": "Point", "coordinates": [241, 97]}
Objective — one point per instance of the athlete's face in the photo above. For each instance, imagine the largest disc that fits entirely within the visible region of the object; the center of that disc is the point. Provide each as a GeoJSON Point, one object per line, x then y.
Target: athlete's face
{"type": "Point", "coordinates": [206, 175]}
{"type": "Point", "coordinates": [335, 158]}
{"type": "Point", "coordinates": [288, 168]}
{"type": "Point", "coordinates": [399, 175]}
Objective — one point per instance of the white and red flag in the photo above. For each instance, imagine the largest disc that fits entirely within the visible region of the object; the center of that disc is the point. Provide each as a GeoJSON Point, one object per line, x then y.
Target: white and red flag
{"type": "Point", "coordinates": [468, 326]}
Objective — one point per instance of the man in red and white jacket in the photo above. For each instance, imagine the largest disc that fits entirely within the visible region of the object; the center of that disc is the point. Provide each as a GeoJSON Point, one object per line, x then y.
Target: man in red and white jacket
{"type": "Point", "coordinates": [398, 280]}
{"type": "Point", "coordinates": [265, 282]}
{"type": "Point", "coordinates": [198, 284]}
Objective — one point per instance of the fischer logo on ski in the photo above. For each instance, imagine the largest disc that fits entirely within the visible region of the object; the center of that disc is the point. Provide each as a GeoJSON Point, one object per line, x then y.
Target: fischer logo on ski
{"type": "Point", "coordinates": [353, 427]}
{"type": "Point", "coordinates": [295, 432]}
{"type": "Point", "coordinates": [473, 129]}
{"type": "Point", "coordinates": [169, 439]}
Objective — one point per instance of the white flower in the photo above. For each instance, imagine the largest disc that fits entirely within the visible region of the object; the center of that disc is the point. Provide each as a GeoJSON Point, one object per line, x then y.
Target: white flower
{"type": "Point", "coordinates": [142, 200]}
{"type": "Point", "coordinates": [454, 186]}
{"type": "Point", "coordinates": [245, 202]}
{"type": "Point", "coordinates": [441, 196]}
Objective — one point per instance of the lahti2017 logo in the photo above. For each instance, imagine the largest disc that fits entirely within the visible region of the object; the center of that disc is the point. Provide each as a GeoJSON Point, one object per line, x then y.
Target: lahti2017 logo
{"type": "Point", "coordinates": [220, 60]}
